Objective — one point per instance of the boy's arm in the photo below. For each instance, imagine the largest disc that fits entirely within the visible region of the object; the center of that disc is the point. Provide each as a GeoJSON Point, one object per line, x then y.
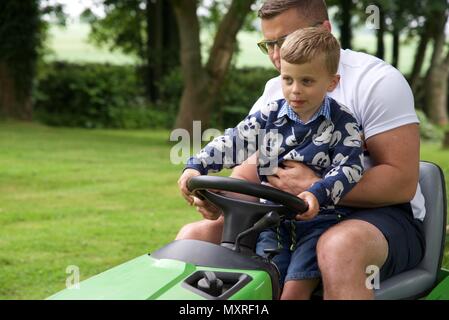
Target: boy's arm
{"type": "Point", "coordinates": [235, 146]}
{"type": "Point", "coordinates": [346, 164]}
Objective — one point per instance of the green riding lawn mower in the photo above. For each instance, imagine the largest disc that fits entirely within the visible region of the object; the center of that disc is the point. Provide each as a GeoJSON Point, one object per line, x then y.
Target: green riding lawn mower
{"type": "Point", "coordinates": [197, 270]}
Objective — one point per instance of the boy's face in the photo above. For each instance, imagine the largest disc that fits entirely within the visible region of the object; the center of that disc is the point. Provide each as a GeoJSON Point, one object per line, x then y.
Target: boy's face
{"type": "Point", "coordinates": [305, 85]}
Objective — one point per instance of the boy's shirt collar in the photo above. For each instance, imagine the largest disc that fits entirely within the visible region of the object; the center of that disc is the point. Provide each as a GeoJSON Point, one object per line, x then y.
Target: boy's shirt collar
{"type": "Point", "coordinates": [324, 110]}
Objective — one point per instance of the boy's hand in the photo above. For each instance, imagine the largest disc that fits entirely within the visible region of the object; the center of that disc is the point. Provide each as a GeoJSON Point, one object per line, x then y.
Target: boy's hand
{"type": "Point", "coordinates": [182, 183]}
{"type": "Point", "coordinates": [314, 206]}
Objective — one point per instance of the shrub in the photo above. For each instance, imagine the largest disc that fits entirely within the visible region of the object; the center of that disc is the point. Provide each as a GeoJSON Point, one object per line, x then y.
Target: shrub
{"type": "Point", "coordinates": [427, 130]}
{"type": "Point", "coordinates": [241, 90]}
{"type": "Point", "coordinates": [91, 96]}
{"type": "Point", "coordinates": [109, 96]}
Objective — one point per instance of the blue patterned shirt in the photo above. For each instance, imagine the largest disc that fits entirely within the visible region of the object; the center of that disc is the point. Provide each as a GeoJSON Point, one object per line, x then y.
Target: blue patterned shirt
{"type": "Point", "coordinates": [329, 143]}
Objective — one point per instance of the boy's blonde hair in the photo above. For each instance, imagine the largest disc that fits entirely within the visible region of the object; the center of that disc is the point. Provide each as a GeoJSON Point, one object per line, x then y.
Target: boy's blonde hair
{"type": "Point", "coordinates": [306, 44]}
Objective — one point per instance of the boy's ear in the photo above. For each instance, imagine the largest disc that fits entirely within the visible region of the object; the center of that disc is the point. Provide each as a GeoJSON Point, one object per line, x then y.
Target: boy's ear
{"type": "Point", "coordinates": [334, 83]}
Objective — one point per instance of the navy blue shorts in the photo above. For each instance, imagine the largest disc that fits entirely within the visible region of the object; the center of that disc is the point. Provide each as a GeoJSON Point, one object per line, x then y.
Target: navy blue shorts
{"type": "Point", "coordinates": [405, 236]}
{"type": "Point", "coordinates": [298, 262]}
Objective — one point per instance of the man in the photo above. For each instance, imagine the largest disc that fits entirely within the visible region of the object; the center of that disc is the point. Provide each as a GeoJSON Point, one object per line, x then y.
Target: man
{"type": "Point", "coordinates": [389, 233]}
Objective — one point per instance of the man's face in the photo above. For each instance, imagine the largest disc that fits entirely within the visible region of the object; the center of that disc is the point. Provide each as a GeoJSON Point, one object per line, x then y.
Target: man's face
{"type": "Point", "coordinates": [282, 25]}
{"type": "Point", "coordinates": [305, 85]}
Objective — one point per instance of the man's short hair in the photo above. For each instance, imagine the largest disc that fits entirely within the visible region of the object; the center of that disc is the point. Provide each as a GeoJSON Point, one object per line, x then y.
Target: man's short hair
{"type": "Point", "coordinates": [304, 45]}
{"type": "Point", "coordinates": [315, 10]}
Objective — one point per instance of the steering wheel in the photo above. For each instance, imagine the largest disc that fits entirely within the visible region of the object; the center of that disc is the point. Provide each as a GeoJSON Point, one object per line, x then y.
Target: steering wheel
{"type": "Point", "coordinates": [240, 215]}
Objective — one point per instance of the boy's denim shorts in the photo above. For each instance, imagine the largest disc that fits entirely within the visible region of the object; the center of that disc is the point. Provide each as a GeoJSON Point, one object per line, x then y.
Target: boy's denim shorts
{"type": "Point", "coordinates": [300, 262]}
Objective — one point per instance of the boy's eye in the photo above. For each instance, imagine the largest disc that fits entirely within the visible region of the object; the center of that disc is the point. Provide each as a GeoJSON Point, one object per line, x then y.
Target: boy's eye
{"type": "Point", "coordinates": [288, 80]}
{"type": "Point", "coordinates": [307, 81]}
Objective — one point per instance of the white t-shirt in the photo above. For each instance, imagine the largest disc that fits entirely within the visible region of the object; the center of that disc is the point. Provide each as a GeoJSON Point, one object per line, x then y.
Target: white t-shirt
{"type": "Point", "coordinates": [377, 94]}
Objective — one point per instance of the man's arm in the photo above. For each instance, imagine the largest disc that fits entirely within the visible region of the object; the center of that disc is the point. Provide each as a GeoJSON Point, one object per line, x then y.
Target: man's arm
{"type": "Point", "coordinates": [392, 179]}
{"type": "Point", "coordinates": [394, 176]}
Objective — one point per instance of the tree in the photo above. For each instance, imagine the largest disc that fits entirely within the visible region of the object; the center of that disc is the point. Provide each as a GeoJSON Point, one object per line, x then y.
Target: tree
{"type": "Point", "coordinates": [20, 34]}
{"type": "Point", "coordinates": [345, 25]}
{"type": "Point", "coordinates": [424, 31]}
{"type": "Point", "coordinates": [394, 17]}
{"type": "Point", "coordinates": [380, 32]}
{"type": "Point", "coordinates": [344, 20]}
{"type": "Point", "coordinates": [202, 83]}
{"type": "Point", "coordinates": [23, 30]}
{"type": "Point", "coordinates": [144, 28]}
{"type": "Point", "coordinates": [402, 14]}
{"type": "Point", "coordinates": [438, 73]}
{"type": "Point", "coordinates": [425, 34]}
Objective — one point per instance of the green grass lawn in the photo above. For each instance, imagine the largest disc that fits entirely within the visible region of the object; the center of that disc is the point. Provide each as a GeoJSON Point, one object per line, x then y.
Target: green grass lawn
{"type": "Point", "coordinates": [76, 197]}
{"type": "Point", "coordinates": [93, 199]}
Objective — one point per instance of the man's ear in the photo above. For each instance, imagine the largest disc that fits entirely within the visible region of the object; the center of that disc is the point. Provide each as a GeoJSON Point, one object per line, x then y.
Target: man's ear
{"type": "Point", "coordinates": [327, 25]}
{"type": "Point", "coordinates": [334, 83]}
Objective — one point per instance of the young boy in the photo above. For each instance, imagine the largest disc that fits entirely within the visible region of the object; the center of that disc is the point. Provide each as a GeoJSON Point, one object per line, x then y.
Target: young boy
{"type": "Point", "coordinates": [309, 127]}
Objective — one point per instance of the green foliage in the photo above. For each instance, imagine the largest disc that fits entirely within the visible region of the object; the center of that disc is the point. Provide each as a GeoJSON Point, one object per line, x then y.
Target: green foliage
{"type": "Point", "coordinates": [110, 96]}
{"type": "Point", "coordinates": [93, 96]}
{"type": "Point", "coordinates": [21, 36]}
{"type": "Point", "coordinates": [427, 130]}
{"type": "Point", "coordinates": [212, 12]}
{"type": "Point", "coordinates": [241, 90]}
{"type": "Point", "coordinates": [123, 26]}
{"type": "Point", "coordinates": [144, 29]}
{"type": "Point", "coordinates": [23, 31]}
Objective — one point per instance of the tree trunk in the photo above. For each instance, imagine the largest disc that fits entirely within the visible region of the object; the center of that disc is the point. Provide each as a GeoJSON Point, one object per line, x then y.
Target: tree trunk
{"type": "Point", "coordinates": [162, 45]}
{"type": "Point", "coordinates": [381, 37]}
{"type": "Point", "coordinates": [154, 46]}
{"type": "Point", "coordinates": [345, 27]}
{"type": "Point", "coordinates": [170, 41]}
{"type": "Point", "coordinates": [446, 140]}
{"type": "Point", "coordinates": [436, 91]}
{"type": "Point", "coordinates": [20, 36]}
{"type": "Point", "coordinates": [437, 78]}
{"type": "Point", "coordinates": [12, 105]}
{"type": "Point", "coordinates": [396, 47]}
{"type": "Point", "coordinates": [420, 55]}
{"type": "Point", "coordinates": [202, 83]}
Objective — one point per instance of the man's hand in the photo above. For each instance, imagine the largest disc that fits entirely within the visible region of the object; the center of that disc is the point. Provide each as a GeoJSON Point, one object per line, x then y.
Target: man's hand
{"type": "Point", "coordinates": [294, 178]}
{"type": "Point", "coordinates": [314, 206]}
{"type": "Point", "coordinates": [182, 183]}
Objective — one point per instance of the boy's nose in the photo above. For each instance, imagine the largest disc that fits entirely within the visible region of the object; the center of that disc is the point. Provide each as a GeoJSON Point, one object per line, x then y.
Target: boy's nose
{"type": "Point", "coordinates": [296, 90]}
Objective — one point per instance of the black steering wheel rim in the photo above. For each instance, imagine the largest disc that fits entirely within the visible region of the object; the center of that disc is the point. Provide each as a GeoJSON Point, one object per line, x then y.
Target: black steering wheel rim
{"type": "Point", "coordinates": [200, 183]}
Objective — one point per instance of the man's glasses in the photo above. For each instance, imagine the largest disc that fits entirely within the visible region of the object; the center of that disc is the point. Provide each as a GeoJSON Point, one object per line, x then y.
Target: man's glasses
{"type": "Point", "coordinates": [267, 46]}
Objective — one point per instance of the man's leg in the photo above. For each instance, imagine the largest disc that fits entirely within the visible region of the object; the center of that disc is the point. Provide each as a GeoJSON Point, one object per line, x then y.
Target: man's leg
{"type": "Point", "coordinates": [344, 252]}
{"type": "Point", "coordinates": [204, 230]}
{"type": "Point", "coordinates": [388, 238]}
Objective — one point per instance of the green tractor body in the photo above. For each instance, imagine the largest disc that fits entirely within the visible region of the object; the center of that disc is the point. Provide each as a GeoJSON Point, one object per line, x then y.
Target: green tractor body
{"type": "Point", "coordinates": [147, 278]}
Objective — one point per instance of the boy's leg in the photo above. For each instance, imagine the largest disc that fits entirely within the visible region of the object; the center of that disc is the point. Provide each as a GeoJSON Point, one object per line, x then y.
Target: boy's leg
{"type": "Point", "coordinates": [204, 230]}
{"type": "Point", "coordinates": [303, 274]}
{"type": "Point", "coordinates": [299, 289]}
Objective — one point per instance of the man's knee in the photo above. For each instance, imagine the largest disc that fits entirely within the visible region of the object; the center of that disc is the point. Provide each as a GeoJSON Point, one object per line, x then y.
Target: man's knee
{"type": "Point", "coordinates": [188, 231]}
{"type": "Point", "coordinates": [204, 230]}
{"type": "Point", "coordinates": [350, 244]}
{"type": "Point", "coordinates": [332, 250]}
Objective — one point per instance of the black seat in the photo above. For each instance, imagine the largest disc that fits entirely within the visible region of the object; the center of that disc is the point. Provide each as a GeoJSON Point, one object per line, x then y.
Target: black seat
{"type": "Point", "coordinates": [419, 281]}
